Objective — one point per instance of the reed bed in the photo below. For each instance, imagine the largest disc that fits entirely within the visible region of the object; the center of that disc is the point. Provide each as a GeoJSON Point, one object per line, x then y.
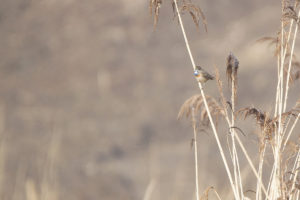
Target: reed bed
{"type": "Point", "coordinates": [276, 127]}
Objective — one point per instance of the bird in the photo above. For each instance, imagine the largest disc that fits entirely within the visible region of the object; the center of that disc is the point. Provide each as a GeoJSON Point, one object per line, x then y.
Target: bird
{"type": "Point", "coordinates": [201, 75]}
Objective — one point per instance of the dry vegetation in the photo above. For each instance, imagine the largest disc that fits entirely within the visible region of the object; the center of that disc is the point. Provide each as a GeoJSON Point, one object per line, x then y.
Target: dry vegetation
{"type": "Point", "coordinates": [276, 127]}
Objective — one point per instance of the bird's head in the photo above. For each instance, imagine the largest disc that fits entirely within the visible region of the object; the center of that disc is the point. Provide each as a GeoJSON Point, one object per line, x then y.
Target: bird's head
{"type": "Point", "coordinates": [198, 67]}
{"type": "Point", "coordinates": [196, 72]}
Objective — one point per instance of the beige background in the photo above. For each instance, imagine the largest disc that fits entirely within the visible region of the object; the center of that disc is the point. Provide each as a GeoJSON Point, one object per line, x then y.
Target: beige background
{"type": "Point", "coordinates": [90, 95]}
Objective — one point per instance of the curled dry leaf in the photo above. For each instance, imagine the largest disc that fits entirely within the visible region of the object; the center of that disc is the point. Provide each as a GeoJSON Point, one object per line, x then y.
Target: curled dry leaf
{"type": "Point", "coordinates": [206, 192]}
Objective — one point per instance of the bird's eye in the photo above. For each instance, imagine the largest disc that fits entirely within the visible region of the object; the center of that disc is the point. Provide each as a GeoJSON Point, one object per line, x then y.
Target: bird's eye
{"type": "Point", "coordinates": [196, 72]}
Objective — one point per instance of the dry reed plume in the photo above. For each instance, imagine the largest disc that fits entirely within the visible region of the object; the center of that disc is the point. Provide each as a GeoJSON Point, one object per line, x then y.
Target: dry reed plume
{"type": "Point", "coordinates": [196, 102]}
{"type": "Point", "coordinates": [186, 6]}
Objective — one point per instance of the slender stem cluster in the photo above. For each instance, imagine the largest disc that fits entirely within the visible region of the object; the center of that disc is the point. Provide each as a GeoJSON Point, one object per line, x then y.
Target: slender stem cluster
{"type": "Point", "coordinates": [277, 139]}
{"type": "Point", "coordinates": [280, 137]}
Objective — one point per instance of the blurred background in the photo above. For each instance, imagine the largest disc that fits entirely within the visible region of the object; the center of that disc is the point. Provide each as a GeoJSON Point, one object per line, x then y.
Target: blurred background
{"type": "Point", "coordinates": [90, 95]}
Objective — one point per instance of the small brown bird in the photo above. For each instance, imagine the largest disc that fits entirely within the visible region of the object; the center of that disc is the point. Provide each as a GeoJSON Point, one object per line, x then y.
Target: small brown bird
{"type": "Point", "coordinates": [201, 75]}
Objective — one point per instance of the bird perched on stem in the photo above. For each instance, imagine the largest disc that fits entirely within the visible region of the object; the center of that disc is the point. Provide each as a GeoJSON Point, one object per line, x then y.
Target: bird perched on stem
{"type": "Point", "coordinates": [201, 75]}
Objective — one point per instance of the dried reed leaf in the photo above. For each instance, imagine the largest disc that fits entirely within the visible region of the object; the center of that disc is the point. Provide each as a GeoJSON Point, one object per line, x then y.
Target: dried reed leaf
{"type": "Point", "coordinates": [206, 192]}
{"type": "Point", "coordinates": [263, 119]}
{"type": "Point", "coordinates": [289, 13]}
{"type": "Point", "coordinates": [272, 41]}
{"type": "Point", "coordinates": [194, 19]}
{"type": "Point", "coordinates": [203, 19]}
